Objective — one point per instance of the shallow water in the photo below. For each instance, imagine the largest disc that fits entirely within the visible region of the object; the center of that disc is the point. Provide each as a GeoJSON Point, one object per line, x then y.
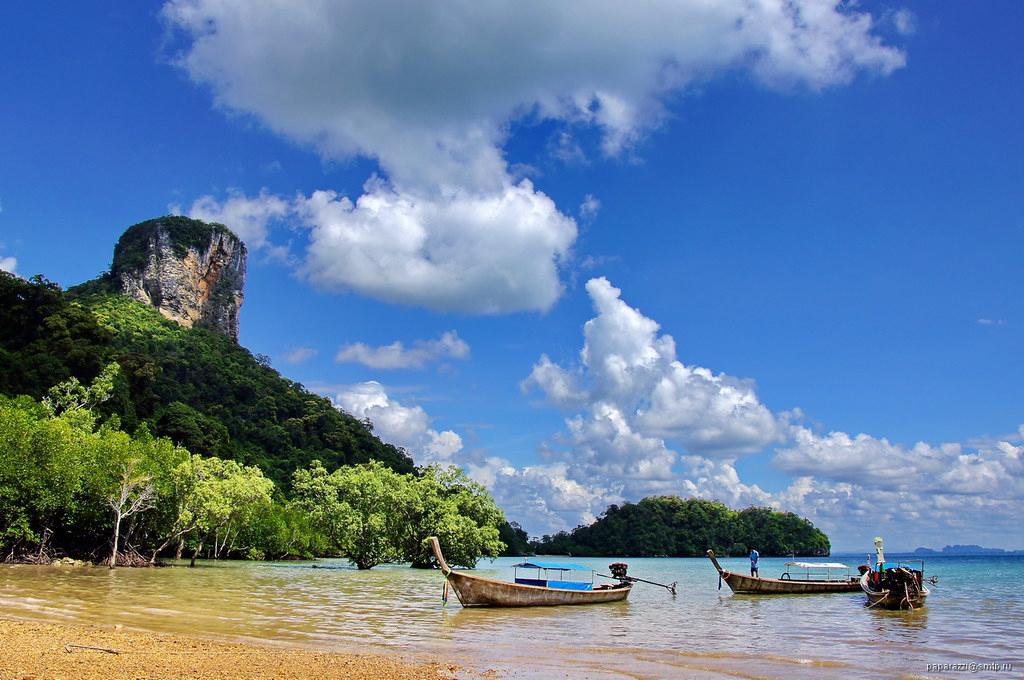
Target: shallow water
{"type": "Point", "coordinates": [975, 614]}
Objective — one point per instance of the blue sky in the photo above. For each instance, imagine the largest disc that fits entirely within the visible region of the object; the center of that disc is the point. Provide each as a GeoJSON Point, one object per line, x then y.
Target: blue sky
{"type": "Point", "coordinates": [793, 235]}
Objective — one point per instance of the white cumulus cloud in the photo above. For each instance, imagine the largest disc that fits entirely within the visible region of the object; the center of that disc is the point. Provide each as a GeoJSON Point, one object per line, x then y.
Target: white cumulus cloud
{"type": "Point", "coordinates": [626, 363]}
{"type": "Point", "coordinates": [407, 426]}
{"type": "Point", "coordinates": [249, 217]}
{"type": "Point", "coordinates": [589, 208]}
{"type": "Point", "coordinates": [995, 468]}
{"type": "Point", "coordinates": [480, 253]}
{"type": "Point", "coordinates": [396, 355]}
{"type": "Point", "coordinates": [9, 264]}
{"type": "Point", "coordinates": [643, 422]}
{"type": "Point", "coordinates": [429, 90]}
{"type": "Point", "coordinates": [855, 487]}
{"type": "Point", "coordinates": [633, 402]}
{"type": "Point", "coordinates": [904, 21]}
{"type": "Point", "coordinates": [297, 355]}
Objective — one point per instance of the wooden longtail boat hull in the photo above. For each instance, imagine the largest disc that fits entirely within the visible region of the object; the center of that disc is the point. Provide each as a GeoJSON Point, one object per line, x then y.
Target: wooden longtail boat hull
{"type": "Point", "coordinates": [476, 591]}
{"type": "Point", "coordinates": [749, 585]}
{"type": "Point", "coordinates": [887, 599]}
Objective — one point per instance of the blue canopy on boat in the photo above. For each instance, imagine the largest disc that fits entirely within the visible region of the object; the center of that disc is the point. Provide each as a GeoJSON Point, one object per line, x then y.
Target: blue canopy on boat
{"type": "Point", "coordinates": [552, 565]}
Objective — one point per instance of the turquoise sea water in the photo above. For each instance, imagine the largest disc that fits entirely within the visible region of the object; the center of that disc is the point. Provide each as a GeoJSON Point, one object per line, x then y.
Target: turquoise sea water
{"type": "Point", "coordinates": [974, 616]}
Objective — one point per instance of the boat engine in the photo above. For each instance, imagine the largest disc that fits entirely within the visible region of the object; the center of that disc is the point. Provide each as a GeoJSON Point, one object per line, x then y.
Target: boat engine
{"type": "Point", "coordinates": [619, 570]}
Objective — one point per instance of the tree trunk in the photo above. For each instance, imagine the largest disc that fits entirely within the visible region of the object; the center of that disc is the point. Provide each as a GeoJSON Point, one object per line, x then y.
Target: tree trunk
{"type": "Point", "coordinates": [152, 560]}
{"type": "Point", "coordinates": [180, 549]}
{"type": "Point", "coordinates": [42, 546]}
{"type": "Point", "coordinates": [130, 533]}
{"type": "Point", "coordinates": [117, 535]}
{"type": "Point", "coordinates": [196, 554]}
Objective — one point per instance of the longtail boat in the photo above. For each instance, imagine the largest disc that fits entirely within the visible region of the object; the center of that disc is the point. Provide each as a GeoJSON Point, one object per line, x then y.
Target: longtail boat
{"type": "Point", "coordinates": [815, 578]}
{"type": "Point", "coordinates": [895, 585]}
{"type": "Point", "coordinates": [476, 591]}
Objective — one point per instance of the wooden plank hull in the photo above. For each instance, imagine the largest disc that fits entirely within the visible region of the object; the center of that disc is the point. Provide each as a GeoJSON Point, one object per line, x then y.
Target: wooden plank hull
{"type": "Point", "coordinates": [751, 585]}
{"type": "Point", "coordinates": [476, 591]}
{"type": "Point", "coordinates": [774, 586]}
{"type": "Point", "coordinates": [887, 599]}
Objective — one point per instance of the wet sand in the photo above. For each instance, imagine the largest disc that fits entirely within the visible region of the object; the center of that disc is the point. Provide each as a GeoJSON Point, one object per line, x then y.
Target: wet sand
{"type": "Point", "coordinates": [40, 650]}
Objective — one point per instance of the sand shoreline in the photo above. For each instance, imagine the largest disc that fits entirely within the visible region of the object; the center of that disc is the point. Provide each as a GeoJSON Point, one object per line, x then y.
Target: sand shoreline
{"type": "Point", "coordinates": [31, 649]}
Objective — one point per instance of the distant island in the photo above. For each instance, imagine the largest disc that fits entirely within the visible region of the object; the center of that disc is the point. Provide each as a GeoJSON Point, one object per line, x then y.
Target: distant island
{"type": "Point", "coordinates": [967, 550]}
{"type": "Point", "coordinates": [669, 526]}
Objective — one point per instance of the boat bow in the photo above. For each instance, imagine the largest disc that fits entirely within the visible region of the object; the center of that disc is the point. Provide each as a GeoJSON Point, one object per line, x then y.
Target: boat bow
{"type": "Point", "coordinates": [714, 561]}
{"type": "Point", "coordinates": [439, 556]}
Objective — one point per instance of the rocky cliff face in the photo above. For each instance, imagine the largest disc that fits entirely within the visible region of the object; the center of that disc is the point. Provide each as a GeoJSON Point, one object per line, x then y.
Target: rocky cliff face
{"type": "Point", "coordinates": [193, 272]}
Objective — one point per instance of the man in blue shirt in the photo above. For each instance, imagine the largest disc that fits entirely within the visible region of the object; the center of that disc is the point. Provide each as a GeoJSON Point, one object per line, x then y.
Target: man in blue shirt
{"type": "Point", "coordinates": [753, 563]}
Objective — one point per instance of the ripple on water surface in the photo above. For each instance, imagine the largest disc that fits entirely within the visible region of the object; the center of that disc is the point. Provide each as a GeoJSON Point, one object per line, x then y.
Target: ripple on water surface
{"type": "Point", "coordinates": [975, 614]}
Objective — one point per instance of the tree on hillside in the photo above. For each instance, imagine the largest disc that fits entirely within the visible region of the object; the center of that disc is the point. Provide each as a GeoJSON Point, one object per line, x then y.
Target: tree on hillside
{"type": "Point", "coordinates": [192, 385]}
{"type": "Point", "coordinates": [193, 430]}
{"type": "Point", "coordinates": [182, 503]}
{"type": "Point", "coordinates": [362, 509]}
{"type": "Point", "coordinates": [134, 494]}
{"type": "Point", "coordinates": [227, 497]}
{"type": "Point", "coordinates": [459, 511]}
{"type": "Point", "coordinates": [284, 531]}
{"type": "Point", "coordinates": [128, 475]}
{"type": "Point", "coordinates": [44, 339]}
{"type": "Point", "coordinates": [44, 462]}
{"type": "Point", "coordinates": [515, 538]}
{"type": "Point", "coordinates": [73, 399]}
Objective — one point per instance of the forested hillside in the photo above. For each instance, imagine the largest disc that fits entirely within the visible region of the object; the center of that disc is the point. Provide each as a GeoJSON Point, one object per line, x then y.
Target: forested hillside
{"type": "Point", "coordinates": [674, 527]}
{"type": "Point", "coordinates": [124, 436]}
{"type": "Point", "coordinates": [194, 386]}
{"type": "Point", "coordinates": [209, 396]}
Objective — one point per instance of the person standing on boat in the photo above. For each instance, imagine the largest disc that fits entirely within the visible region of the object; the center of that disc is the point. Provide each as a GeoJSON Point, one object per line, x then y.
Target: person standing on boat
{"type": "Point", "coordinates": [753, 562]}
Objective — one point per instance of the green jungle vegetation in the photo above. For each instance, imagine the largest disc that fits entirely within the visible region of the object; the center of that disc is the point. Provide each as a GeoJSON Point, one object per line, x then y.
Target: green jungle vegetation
{"type": "Point", "coordinates": [72, 482]}
{"type": "Point", "coordinates": [215, 452]}
{"type": "Point", "coordinates": [516, 540]}
{"type": "Point", "coordinates": [669, 526]}
{"type": "Point", "coordinates": [194, 386]}
{"type": "Point", "coordinates": [185, 443]}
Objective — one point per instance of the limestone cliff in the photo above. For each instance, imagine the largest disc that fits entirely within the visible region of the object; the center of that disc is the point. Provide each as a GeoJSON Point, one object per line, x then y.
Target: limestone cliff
{"type": "Point", "coordinates": [193, 272]}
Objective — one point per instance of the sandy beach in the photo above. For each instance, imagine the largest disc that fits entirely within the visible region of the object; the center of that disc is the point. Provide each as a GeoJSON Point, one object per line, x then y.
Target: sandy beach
{"type": "Point", "coordinates": [46, 650]}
